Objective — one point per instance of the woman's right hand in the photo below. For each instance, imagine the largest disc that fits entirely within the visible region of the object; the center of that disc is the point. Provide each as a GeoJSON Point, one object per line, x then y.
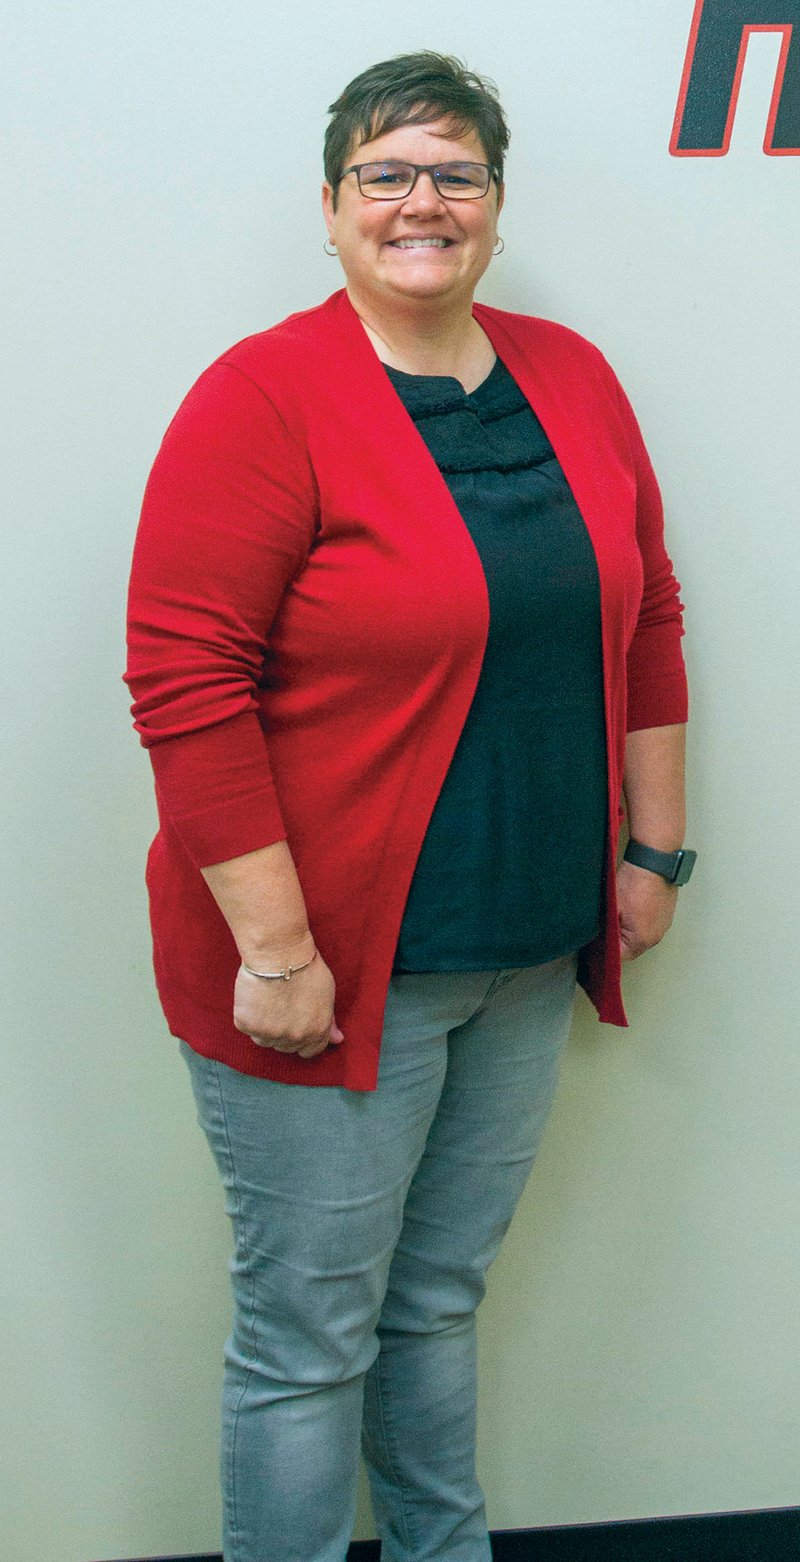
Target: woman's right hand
{"type": "Point", "coordinates": [289, 1016]}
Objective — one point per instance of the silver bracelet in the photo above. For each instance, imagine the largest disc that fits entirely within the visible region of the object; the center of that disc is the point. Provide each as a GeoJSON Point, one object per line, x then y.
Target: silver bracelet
{"type": "Point", "coordinates": [278, 976]}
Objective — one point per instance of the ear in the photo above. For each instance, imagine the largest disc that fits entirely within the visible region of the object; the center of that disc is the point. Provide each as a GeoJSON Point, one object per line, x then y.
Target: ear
{"type": "Point", "coordinates": [327, 207]}
{"type": "Point", "coordinates": [501, 195]}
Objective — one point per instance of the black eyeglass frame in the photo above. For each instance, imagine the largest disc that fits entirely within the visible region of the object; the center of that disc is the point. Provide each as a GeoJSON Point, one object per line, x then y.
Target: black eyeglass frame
{"type": "Point", "coordinates": [419, 168]}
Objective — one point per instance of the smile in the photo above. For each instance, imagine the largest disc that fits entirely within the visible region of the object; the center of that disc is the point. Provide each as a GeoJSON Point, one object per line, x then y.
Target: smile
{"type": "Point", "coordinates": [420, 243]}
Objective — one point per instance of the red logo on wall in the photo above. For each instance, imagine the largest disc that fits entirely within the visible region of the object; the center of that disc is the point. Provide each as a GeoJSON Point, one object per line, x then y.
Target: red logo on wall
{"type": "Point", "coordinates": [712, 74]}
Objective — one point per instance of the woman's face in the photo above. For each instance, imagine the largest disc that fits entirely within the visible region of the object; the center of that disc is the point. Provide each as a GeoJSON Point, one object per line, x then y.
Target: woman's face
{"type": "Point", "coordinates": [372, 236]}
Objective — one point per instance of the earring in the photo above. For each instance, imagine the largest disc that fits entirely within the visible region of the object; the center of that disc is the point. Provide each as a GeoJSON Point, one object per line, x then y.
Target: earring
{"type": "Point", "coordinates": [499, 251]}
{"type": "Point", "coordinates": [329, 251]}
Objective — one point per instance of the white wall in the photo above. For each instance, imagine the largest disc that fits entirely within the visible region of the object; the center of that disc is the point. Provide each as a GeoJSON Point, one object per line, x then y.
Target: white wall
{"type": "Point", "coordinates": [639, 1341]}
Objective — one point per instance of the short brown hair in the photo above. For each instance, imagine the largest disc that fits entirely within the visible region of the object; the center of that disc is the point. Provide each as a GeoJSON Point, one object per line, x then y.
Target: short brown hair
{"type": "Point", "coordinates": [413, 89]}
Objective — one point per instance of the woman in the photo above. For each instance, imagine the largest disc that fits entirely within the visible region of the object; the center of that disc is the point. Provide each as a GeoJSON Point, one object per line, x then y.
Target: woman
{"type": "Point", "coordinates": [402, 629]}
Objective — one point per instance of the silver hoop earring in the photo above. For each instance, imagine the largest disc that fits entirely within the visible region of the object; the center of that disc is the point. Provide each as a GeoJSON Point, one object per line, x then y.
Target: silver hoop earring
{"type": "Point", "coordinates": [499, 251]}
{"type": "Point", "coordinates": [329, 251]}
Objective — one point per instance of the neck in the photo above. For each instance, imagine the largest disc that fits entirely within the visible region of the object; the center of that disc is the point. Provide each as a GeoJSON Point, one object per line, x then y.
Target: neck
{"type": "Point", "coordinates": [432, 340]}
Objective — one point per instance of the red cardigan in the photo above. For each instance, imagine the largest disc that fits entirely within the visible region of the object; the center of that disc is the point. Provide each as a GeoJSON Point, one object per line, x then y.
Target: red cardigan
{"type": "Point", "coordinates": [308, 616]}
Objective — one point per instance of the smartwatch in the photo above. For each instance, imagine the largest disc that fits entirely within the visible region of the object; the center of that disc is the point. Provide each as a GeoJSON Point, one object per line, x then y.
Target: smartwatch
{"type": "Point", "coordinates": [675, 867]}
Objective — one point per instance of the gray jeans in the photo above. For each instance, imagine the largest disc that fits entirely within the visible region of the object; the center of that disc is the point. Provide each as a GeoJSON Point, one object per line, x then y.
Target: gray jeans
{"type": "Point", "coordinates": [364, 1224]}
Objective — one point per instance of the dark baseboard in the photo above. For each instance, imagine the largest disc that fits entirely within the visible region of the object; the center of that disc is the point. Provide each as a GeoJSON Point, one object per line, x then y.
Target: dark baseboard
{"type": "Point", "coordinates": [768, 1535]}
{"type": "Point", "coordinates": [759, 1535]}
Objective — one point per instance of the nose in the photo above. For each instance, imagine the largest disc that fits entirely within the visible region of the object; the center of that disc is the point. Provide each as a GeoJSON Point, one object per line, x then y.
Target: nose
{"type": "Point", "coordinates": [425, 196]}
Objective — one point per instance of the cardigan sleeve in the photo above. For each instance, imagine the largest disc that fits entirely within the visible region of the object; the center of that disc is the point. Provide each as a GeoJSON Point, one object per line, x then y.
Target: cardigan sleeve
{"type": "Point", "coordinates": [227, 521]}
{"type": "Point", "coordinates": [656, 674]}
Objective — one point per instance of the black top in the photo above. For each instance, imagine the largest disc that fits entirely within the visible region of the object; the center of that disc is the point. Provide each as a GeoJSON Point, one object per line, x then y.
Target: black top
{"type": "Point", "coordinates": [510, 869]}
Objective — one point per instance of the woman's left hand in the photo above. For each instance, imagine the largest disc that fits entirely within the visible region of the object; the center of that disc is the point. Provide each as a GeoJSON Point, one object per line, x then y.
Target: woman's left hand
{"type": "Point", "coordinates": [646, 905]}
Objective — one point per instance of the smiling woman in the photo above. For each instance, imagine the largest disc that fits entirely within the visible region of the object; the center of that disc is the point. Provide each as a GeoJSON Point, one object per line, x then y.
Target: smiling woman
{"type": "Point", "coordinates": [413, 261]}
{"type": "Point", "coordinates": [403, 631]}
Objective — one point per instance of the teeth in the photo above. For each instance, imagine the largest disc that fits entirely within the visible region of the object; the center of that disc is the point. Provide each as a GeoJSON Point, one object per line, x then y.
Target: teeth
{"type": "Point", "coordinates": [420, 243]}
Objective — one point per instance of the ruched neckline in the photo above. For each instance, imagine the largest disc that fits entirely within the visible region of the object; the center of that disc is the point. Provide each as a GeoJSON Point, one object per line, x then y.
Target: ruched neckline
{"type": "Point", "coordinates": [489, 429]}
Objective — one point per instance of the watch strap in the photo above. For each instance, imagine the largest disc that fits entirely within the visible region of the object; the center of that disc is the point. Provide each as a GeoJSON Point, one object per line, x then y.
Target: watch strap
{"type": "Point", "coordinates": [675, 867]}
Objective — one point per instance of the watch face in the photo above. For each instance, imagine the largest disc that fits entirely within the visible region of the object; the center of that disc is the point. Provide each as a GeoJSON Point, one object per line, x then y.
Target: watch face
{"type": "Point", "coordinates": [688, 860]}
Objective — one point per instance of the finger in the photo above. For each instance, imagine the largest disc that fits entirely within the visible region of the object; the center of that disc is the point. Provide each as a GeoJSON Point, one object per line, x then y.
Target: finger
{"type": "Point", "coordinates": [275, 1046]}
{"type": "Point", "coordinates": [287, 1049]}
{"type": "Point", "coordinates": [312, 1052]}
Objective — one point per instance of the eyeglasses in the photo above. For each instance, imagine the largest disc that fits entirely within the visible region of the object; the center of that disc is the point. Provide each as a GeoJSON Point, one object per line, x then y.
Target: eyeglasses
{"type": "Point", "coordinates": [391, 181]}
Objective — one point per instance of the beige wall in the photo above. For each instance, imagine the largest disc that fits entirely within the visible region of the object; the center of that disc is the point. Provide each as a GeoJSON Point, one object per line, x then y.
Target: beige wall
{"type": "Point", "coordinates": [639, 1340]}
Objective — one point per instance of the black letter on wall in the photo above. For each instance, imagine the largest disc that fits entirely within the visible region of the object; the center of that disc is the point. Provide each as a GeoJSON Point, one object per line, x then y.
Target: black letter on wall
{"type": "Point", "coordinates": [713, 71]}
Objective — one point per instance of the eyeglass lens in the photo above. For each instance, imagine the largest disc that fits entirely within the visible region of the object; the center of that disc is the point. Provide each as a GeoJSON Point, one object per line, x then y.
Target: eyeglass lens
{"type": "Point", "coordinates": [458, 181]}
